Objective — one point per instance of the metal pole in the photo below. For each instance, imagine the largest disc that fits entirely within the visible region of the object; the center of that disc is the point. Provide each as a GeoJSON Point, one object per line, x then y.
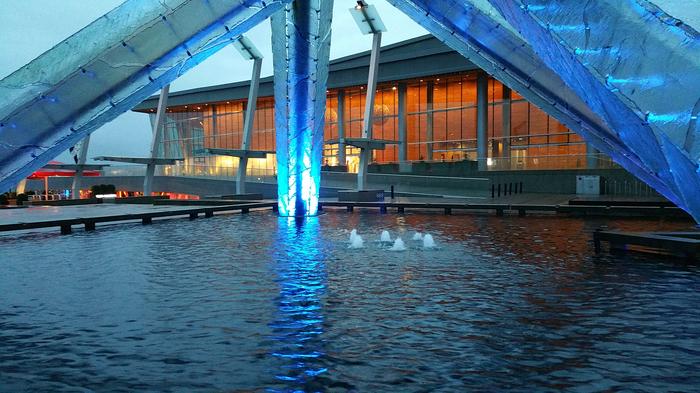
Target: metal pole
{"type": "Point", "coordinates": [78, 178]}
{"type": "Point", "coordinates": [403, 147]}
{"type": "Point", "coordinates": [156, 139]}
{"type": "Point", "coordinates": [482, 118]}
{"type": "Point", "coordinates": [369, 110]}
{"type": "Point", "coordinates": [248, 125]}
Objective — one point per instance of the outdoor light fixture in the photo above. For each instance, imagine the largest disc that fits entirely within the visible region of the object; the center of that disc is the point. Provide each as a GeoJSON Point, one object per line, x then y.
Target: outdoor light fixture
{"type": "Point", "coordinates": [367, 18]}
{"type": "Point", "coordinates": [247, 49]}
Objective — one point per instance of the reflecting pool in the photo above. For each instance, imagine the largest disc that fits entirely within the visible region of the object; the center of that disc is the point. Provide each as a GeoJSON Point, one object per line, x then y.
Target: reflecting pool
{"type": "Point", "coordinates": [261, 303]}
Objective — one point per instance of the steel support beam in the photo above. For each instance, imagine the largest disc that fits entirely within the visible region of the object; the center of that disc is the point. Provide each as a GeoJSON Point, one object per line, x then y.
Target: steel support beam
{"type": "Point", "coordinates": [156, 139]}
{"type": "Point", "coordinates": [248, 125]}
{"type": "Point", "coordinates": [368, 119]}
{"type": "Point", "coordinates": [301, 37]}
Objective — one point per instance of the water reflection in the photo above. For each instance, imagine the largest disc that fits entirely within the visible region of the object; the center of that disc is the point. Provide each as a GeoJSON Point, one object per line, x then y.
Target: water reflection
{"type": "Point", "coordinates": [298, 327]}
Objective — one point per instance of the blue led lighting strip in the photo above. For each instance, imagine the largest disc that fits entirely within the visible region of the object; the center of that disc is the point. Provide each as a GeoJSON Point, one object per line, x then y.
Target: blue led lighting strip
{"type": "Point", "coordinates": [301, 37]}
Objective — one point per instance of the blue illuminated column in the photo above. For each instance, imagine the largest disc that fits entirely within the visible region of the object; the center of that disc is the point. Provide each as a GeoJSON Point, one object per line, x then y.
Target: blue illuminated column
{"type": "Point", "coordinates": [301, 38]}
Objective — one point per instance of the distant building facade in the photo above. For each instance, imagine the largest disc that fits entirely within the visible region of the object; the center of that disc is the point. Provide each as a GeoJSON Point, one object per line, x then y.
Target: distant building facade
{"type": "Point", "coordinates": [426, 101]}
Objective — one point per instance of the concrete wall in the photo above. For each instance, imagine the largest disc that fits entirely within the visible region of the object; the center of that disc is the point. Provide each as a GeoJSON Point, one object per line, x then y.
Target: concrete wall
{"type": "Point", "coordinates": [406, 182]}
{"type": "Point", "coordinates": [462, 177]}
{"type": "Point", "coordinates": [555, 181]}
{"type": "Point", "coordinates": [183, 185]}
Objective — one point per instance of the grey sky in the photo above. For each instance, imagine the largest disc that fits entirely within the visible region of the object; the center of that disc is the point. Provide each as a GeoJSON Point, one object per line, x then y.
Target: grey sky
{"type": "Point", "coordinates": [30, 27]}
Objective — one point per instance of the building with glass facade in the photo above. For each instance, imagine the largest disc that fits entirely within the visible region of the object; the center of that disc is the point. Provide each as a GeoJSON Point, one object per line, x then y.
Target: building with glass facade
{"type": "Point", "coordinates": [426, 101]}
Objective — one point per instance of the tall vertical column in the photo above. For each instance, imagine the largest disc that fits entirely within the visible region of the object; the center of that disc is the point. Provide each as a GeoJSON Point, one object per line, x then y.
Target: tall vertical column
{"type": "Point", "coordinates": [402, 114]}
{"type": "Point", "coordinates": [78, 177]}
{"type": "Point", "coordinates": [156, 139]}
{"type": "Point", "coordinates": [341, 126]}
{"type": "Point", "coordinates": [429, 120]}
{"type": "Point", "coordinates": [482, 118]}
{"type": "Point", "coordinates": [301, 38]}
{"type": "Point", "coordinates": [506, 123]}
{"type": "Point", "coordinates": [248, 126]}
{"type": "Point", "coordinates": [213, 142]}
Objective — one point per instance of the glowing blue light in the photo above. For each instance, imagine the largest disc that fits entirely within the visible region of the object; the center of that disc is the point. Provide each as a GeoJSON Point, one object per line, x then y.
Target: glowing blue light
{"type": "Point", "coordinates": [647, 82]}
{"type": "Point", "coordinates": [566, 27]}
{"type": "Point", "coordinates": [531, 7]}
{"type": "Point", "coordinates": [297, 328]}
{"type": "Point", "coordinates": [301, 71]}
{"type": "Point", "coordinates": [597, 51]}
{"type": "Point", "coordinates": [668, 117]}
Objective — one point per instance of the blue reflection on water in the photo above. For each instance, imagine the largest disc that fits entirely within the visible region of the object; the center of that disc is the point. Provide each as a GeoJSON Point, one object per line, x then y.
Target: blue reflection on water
{"type": "Point", "coordinates": [298, 327]}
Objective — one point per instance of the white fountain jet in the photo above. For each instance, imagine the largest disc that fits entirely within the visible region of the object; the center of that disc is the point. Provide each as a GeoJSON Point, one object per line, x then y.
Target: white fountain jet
{"type": "Point", "coordinates": [385, 237]}
{"type": "Point", "coordinates": [417, 236]}
{"type": "Point", "coordinates": [398, 245]}
{"type": "Point", "coordinates": [428, 241]}
{"type": "Point", "coordinates": [357, 242]}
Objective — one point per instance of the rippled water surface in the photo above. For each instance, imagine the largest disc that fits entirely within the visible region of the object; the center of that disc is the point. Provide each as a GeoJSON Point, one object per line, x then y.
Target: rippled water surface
{"type": "Point", "coordinates": [256, 302]}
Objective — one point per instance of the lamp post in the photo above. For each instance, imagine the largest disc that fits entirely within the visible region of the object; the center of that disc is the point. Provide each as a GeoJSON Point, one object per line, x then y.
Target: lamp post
{"type": "Point", "coordinates": [246, 48]}
{"type": "Point", "coordinates": [369, 22]}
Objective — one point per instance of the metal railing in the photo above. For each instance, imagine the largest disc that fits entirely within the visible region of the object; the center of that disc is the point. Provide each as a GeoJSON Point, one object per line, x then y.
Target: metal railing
{"type": "Point", "coordinates": [632, 187]}
{"type": "Point", "coordinates": [192, 170]}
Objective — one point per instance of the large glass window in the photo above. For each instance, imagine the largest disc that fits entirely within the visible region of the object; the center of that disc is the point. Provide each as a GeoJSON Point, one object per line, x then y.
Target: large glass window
{"type": "Point", "coordinates": [441, 125]}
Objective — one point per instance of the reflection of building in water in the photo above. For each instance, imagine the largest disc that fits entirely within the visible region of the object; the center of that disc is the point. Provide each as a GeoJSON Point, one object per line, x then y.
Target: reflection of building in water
{"type": "Point", "coordinates": [298, 327]}
{"type": "Point", "coordinates": [426, 100]}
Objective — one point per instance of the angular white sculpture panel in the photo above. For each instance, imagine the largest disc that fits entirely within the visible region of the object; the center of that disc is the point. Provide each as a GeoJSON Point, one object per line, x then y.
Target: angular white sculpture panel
{"type": "Point", "coordinates": [635, 67]}
{"type": "Point", "coordinates": [491, 34]}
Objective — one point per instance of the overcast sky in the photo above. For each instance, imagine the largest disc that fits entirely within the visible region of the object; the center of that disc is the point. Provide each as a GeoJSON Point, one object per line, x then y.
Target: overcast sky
{"type": "Point", "coordinates": [30, 27]}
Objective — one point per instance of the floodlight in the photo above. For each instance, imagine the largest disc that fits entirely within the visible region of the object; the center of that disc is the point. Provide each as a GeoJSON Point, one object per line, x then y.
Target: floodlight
{"type": "Point", "coordinates": [247, 49]}
{"type": "Point", "coordinates": [367, 18]}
